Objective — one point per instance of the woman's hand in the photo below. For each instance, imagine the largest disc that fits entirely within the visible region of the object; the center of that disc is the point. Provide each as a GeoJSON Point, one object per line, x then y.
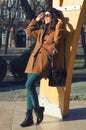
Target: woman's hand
{"type": "Point", "coordinates": [40, 16]}
{"type": "Point", "coordinates": [60, 21]}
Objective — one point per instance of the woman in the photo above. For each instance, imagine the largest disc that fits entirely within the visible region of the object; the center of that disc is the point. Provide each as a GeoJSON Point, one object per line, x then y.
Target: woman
{"type": "Point", "coordinates": [48, 36]}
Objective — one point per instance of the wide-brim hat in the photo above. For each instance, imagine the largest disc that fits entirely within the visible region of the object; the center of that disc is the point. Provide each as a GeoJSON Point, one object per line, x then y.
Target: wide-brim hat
{"type": "Point", "coordinates": [55, 13]}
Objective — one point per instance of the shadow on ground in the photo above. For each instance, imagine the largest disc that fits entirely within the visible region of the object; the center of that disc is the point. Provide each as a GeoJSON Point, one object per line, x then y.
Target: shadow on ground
{"type": "Point", "coordinates": [76, 114]}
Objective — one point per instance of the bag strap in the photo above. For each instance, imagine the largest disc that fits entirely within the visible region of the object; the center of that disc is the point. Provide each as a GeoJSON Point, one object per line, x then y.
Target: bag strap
{"type": "Point", "coordinates": [53, 58]}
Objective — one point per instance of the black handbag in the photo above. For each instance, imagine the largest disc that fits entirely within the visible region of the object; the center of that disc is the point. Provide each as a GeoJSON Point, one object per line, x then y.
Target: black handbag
{"type": "Point", "coordinates": [57, 76]}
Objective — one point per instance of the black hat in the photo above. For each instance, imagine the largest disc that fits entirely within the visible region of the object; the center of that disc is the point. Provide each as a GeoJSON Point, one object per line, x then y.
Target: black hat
{"type": "Point", "coordinates": [55, 13]}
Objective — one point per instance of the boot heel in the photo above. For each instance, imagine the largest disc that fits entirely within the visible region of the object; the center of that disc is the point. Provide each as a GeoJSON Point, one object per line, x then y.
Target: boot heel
{"type": "Point", "coordinates": [39, 114]}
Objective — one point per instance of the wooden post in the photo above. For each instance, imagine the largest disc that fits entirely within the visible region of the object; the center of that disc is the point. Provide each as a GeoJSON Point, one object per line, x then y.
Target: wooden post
{"type": "Point", "coordinates": [61, 2]}
{"type": "Point", "coordinates": [57, 3]}
{"type": "Point", "coordinates": [75, 20]}
{"type": "Point", "coordinates": [61, 95]}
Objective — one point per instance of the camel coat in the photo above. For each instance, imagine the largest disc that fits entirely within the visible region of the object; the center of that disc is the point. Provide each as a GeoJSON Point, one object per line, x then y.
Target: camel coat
{"type": "Point", "coordinates": [42, 62]}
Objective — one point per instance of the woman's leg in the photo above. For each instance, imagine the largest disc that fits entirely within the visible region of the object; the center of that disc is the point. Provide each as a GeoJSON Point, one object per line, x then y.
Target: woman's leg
{"type": "Point", "coordinates": [32, 97]}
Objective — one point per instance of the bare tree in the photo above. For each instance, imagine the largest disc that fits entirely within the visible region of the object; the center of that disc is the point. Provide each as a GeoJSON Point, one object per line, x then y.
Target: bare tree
{"type": "Point", "coordinates": [35, 7]}
{"type": "Point", "coordinates": [10, 20]}
{"type": "Point", "coordinates": [27, 8]}
{"type": "Point", "coordinates": [49, 3]}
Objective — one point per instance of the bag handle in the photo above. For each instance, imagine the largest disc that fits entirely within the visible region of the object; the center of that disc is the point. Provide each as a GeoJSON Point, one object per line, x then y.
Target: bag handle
{"type": "Point", "coordinates": [53, 58]}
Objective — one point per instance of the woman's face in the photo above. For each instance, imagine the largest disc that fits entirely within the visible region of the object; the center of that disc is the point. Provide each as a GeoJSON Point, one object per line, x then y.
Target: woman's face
{"type": "Point", "coordinates": [47, 17]}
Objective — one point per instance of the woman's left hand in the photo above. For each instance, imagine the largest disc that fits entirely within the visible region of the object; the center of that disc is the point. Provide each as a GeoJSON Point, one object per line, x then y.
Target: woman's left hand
{"type": "Point", "coordinates": [60, 21]}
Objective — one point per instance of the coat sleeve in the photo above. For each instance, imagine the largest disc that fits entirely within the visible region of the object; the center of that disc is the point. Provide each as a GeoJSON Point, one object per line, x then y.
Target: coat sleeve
{"type": "Point", "coordinates": [30, 30]}
{"type": "Point", "coordinates": [59, 34]}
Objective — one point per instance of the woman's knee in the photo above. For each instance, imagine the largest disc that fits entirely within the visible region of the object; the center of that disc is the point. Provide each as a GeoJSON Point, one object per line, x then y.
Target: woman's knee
{"type": "Point", "coordinates": [31, 81]}
{"type": "Point", "coordinates": [28, 85]}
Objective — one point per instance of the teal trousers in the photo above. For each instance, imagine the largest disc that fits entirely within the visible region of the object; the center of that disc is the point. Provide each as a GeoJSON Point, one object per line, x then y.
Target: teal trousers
{"type": "Point", "coordinates": [32, 97]}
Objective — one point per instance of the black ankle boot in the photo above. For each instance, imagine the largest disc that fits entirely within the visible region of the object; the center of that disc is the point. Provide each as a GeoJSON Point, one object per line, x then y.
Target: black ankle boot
{"type": "Point", "coordinates": [39, 114]}
{"type": "Point", "coordinates": [28, 121]}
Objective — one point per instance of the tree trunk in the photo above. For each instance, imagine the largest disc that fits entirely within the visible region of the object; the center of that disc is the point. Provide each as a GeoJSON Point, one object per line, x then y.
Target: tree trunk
{"type": "Point", "coordinates": [30, 14]}
{"type": "Point", "coordinates": [7, 40]}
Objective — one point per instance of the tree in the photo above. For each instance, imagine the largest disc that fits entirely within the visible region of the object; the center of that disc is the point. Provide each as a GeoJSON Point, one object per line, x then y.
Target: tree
{"type": "Point", "coordinates": [27, 8]}
{"type": "Point", "coordinates": [36, 6]}
{"type": "Point", "coordinates": [7, 17]}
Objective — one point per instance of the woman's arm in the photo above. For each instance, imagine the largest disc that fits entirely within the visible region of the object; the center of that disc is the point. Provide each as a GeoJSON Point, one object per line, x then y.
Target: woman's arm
{"type": "Point", "coordinates": [30, 30]}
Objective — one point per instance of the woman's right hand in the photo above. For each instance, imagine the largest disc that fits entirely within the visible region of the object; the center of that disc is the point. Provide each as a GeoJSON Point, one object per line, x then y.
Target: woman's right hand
{"type": "Point", "coordinates": [40, 16]}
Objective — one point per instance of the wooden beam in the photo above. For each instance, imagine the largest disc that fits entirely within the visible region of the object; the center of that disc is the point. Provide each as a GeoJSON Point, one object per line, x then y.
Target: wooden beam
{"type": "Point", "coordinates": [76, 19]}
{"type": "Point", "coordinates": [61, 2]}
{"type": "Point", "coordinates": [57, 2]}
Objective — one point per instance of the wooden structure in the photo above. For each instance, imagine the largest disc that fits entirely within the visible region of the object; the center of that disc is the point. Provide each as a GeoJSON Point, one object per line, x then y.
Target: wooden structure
{"type": "Point", "coordinates": [74, 11]}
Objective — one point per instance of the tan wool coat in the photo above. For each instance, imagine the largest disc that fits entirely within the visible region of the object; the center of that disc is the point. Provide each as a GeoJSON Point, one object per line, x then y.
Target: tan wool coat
{"type": "Point", "coordinates": [43, 60]}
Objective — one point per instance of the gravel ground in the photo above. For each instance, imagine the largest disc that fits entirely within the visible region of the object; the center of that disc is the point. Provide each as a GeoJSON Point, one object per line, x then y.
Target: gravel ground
{"type": "Point", "coordinates": [78, 91]}
{"type": "Point", "coordinates": [17, 92]}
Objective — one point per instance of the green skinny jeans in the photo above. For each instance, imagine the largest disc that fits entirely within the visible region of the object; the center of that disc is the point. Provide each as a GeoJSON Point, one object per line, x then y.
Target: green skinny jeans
{"type": "Point", "coordinates": [32, 97]}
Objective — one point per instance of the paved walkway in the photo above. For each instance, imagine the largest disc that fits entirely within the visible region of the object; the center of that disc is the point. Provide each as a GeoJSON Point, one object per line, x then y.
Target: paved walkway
{"type": "Point", "coordinates": [13, 113]}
